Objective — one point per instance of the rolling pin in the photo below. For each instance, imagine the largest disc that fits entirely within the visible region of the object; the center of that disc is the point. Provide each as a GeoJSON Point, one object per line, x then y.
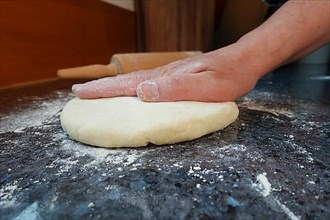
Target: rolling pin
{"type": "Point", "coordinates": [125, 63]}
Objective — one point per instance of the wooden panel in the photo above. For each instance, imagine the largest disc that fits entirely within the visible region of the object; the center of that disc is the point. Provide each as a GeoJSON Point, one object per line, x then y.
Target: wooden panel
{"type": "Point", "coordinates": [39, 37]}
{"type": "Point", "coordinates": [175, 25]}
{"type": "Point", "coordinates": [239, 17]}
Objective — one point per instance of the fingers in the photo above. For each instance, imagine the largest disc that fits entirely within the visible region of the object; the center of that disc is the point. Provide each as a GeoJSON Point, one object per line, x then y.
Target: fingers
{"type": "Point", "coordinates": [185, 80]}
{"type": "Point", "coordinates": [205, 87]}
{"type": "Point", "coordinates": [126, 85]}
{"type": "Point", "coordinates": [122, 85]}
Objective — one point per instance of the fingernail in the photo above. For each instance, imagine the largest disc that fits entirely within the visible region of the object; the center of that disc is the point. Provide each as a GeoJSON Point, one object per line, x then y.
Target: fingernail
{"type": "Point", "coordinates": [76, 88]}
{"type": "Point", "coordinates": [148, 91]}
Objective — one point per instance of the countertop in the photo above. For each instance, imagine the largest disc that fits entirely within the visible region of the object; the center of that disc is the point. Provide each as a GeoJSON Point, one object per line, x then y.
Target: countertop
{"type": "Point", "coordinates": [271, 163]}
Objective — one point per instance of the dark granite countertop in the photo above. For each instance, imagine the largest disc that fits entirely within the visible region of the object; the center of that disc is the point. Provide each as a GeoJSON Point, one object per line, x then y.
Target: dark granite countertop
{"type": "Point", "coordinates": [271, 163]}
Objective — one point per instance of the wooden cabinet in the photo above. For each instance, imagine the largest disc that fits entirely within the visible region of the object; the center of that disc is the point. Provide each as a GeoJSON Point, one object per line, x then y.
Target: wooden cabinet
{"type": "Point", "coordinates": [39, 37]}
{"type": "Point", "coordinates": [175, 25]}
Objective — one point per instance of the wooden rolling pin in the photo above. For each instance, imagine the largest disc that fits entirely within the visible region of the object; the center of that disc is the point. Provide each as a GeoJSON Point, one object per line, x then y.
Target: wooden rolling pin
{"type": "Point", "coordinates": [125, 63]}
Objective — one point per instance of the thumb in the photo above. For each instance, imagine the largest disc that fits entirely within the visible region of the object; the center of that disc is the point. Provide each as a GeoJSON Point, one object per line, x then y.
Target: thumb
{"type": "Point", "coordinates": [148, 91]}
{"type": "Point", "coordinates": [184, 87]}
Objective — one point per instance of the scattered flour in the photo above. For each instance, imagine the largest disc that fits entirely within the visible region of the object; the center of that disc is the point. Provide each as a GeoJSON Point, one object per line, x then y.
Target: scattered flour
{"type": "Point", "coordinates": [287, 211]}
{"type": "Point", "coordinates": [39, 112]}
{"type": "Point", "coordinates": [272, 110]}
{"type": "Point", "coordinates": [233, 147]}
{"type": "Point", "coordinates": [123, 157]}
{"type": "Point", "coordinates": [263, 186]}
{"type": "Point", "coordinates": [196, 170]}
{"type": "Point", "coordinates": [6, 195]}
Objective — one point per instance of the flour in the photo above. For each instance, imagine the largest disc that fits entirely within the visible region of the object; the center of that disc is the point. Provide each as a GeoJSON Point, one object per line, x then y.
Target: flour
{"type": "Point", "coordinates": [7, 198]}
{"type": "Point", "coordinates": [233, 147]}
{"type": "Point", "coordinates": [264, 101]}
{"type": "Point", "coordinates": [287, 211]}
{"type": "Point", "coordinates": [276, 111]}
{"type": "Point", "coordinates": [123, 157]}
{"type": "Point", "coordinates": [37, 113]}
{"type": "Point", "coordinates": [264, 187]}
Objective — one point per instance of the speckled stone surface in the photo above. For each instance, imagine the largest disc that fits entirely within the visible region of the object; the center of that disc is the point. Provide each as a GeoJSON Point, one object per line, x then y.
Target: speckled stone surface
{"type": "Point", "coordinates": [271, 163]}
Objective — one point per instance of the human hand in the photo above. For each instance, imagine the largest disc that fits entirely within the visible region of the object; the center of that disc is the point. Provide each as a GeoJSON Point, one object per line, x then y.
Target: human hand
{"type": "Point", "coordinates": [230, 72]}
{"type": "Point", "coordinates": [218, 76]}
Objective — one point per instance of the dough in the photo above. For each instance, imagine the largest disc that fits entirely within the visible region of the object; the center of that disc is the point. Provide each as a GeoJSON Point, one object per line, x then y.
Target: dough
{"type": "Point", "coordinates": [129, 122]}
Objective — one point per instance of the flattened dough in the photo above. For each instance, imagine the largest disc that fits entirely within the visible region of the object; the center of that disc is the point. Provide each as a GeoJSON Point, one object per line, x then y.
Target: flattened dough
{"type": "Point", "coordinates": [129, 122]}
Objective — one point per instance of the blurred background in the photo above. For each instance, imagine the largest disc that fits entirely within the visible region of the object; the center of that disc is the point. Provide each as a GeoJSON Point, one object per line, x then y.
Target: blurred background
{"type": "Point", "coordinates": [39, 37]}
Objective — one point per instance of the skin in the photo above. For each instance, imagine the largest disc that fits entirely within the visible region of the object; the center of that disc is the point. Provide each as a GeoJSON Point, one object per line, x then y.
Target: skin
{"type": "Point", "coordinates": [295, 30]}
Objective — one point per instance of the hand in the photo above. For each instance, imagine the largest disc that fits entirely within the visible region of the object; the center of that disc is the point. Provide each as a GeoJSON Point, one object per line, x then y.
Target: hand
{"type": "Point", "coordinates": [218, 76]}
{"type": "Point", "coordinates": [230, 72]}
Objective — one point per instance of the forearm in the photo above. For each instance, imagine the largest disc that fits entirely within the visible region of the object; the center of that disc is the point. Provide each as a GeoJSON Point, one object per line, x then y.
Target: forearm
{"type": "Point", "coordinates": [296, 29]}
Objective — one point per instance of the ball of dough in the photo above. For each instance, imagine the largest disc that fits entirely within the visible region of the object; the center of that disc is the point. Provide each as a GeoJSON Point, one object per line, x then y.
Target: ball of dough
{"type": "Point", "coordinates": [129, 122]}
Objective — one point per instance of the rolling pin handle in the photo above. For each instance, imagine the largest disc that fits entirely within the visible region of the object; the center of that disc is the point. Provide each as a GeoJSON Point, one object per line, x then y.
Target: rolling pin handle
{"type": "Point", "coordinates": [126, 63]}
{"type": "Point", "coordinates": [88, 72]}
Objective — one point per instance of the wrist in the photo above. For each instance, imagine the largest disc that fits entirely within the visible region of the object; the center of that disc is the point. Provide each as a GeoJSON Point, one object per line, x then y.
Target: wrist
{"type": "Point", "coordinates": [251, 57]}
{"type": "Point", "coordinates": [260, 55]}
